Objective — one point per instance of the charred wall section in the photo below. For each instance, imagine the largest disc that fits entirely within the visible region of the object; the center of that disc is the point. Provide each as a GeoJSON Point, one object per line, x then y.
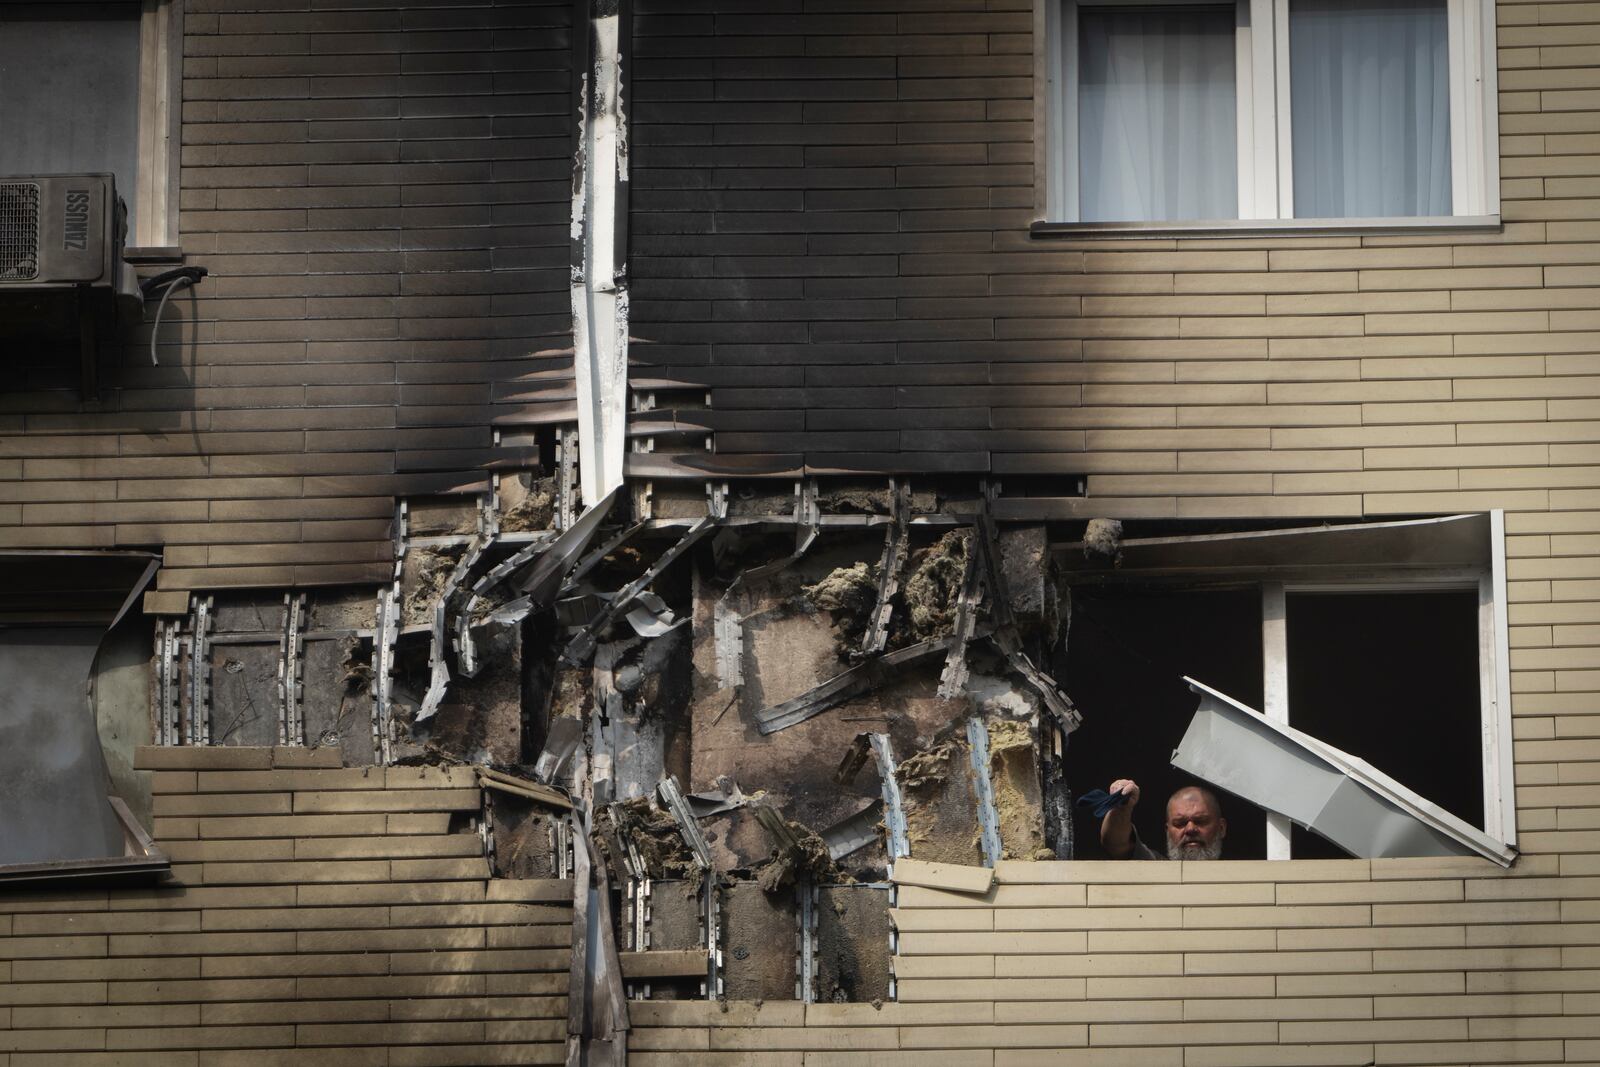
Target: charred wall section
{"type": "Point", "coordinates": [757, 716]}
{"type": "Point", "coordinates": [828, 208]}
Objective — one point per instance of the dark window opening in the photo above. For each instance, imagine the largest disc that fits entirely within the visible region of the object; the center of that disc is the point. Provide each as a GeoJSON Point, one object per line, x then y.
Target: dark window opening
{"type": "Point", "coordinates": [1128, 651]}
{"type": "Point", "coordinates": [1393, 678]}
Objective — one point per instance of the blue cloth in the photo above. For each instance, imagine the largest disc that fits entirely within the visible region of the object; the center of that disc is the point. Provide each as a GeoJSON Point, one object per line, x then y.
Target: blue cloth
{"type": "Point", "coordinates": [1101, 801]}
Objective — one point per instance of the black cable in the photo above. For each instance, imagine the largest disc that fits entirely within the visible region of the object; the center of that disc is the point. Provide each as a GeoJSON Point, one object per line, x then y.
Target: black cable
{"type": "Point", "coordinates": [178, 276]}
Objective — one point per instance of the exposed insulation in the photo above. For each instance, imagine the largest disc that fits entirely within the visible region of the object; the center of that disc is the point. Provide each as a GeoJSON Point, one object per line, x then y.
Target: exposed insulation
{"type": "Point", "coordinates": [760, 498]}
{"type": "Point", "coordinates": [653, 834]}
{"type": "Point", "coordinates": [356, 663]}
{"type": "Point", "coordinates": [675, 916]}
{"type": "Point", "coordinates": [1014, 777]}
{"type": "Point", "coordinates": [337, 701]}
{"type": "Point", "coordinates": [941, 810]}
{"type": "Point", "coordinates": [874, 499]}
{"type": "Point", "coordinates": [480, 719]}
{"type": "Point", "coordinates": [424, 573]}
{"type": "Point", "coordinates": [848, 593]}
{"type": "Point", "coordinates": [673, 923]}
{"type": "Point", "coordinates": [809, 859]}
{"type": "Point", "coordinates": [245, 707]}
{"type": "Point", "coordinates": [342, 609]}
{"type": "Point", "coordinates": [932, 588]}
{"type": "Point", "coordinates": [527, 503]}
{"type": "Point", "coordinates": [427, 516]}
{"type": "Point", "coordinates": [247, 614]}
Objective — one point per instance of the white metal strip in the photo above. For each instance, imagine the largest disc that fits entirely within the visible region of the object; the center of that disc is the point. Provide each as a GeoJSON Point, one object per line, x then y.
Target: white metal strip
{"type": "Point", "coordinates": [1464, 179]}
{"type": "Point", "coordinates": [1280, 78]}
{"type": "Point", "coordinates": [1339, 795]}
{"type": "Point", "coordinates": [599, 301]}
{"type": "Point", "coordinates": [1275, 691]}
{"type": "Point", "coordinates": [1501, 805]}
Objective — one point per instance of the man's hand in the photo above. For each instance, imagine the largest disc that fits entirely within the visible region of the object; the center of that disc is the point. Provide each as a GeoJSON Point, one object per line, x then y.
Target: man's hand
{"type": "Point", "coordinates": [1116, 829]}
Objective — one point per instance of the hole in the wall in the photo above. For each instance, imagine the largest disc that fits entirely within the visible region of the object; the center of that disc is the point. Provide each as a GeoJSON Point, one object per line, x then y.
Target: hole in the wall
{"type": "Point", "coordinates": [540, 640]}
{"type": "Point", "coordinates": [1042, 485]}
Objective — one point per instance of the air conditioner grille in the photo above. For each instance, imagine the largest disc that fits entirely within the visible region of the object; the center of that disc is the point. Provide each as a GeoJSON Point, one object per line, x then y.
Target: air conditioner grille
{"type": "Point", "coordinates": [19, 231]}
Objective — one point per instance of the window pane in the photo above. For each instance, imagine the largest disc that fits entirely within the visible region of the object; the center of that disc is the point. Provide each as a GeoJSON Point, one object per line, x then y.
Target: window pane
{"type": "Point", "coordinates": [1392, 678]}
{"type": "Point", "coordinates": [1370, 107]}
{"type": "Point", "coordinates": [69, 91]}
{"type": "Point", "coordinates": [1156, 114]}
{"type": "Point", "coordinates": [53, 800]}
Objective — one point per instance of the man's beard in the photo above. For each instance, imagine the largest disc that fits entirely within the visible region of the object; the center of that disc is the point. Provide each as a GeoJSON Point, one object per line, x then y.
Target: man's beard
{"type": "Point", "coordinates": [1212, 851]}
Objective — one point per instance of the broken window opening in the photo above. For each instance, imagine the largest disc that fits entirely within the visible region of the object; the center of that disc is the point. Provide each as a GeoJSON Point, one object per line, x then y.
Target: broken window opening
{"type": "Point", "coordinates": [64, 704]}
{"type": "Point", "coordinates": [1383, 640]}
{"type": "Point", "coordinates": [1390, 676]}
{"type": "Point", "coordinates": [1128, 650]}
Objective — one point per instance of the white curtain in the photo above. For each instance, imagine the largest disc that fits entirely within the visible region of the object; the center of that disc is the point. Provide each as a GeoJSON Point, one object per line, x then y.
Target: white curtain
{"type": "Point", "coordinates": [1370, 108]}
{"type": "Point", "coordinates": [1156, 114]}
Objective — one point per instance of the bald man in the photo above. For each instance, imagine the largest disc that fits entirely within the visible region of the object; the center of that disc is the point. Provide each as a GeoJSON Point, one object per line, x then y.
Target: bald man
{"type": "Point", "coordinates": [1195, 826]}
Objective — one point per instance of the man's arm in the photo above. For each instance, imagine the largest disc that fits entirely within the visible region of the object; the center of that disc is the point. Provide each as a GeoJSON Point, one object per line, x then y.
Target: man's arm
{"type": "Point", "coordinates": [1116, 829]}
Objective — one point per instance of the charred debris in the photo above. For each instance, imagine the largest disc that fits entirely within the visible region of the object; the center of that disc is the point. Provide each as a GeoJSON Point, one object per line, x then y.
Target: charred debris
{"type": "Point", "coordinates": [755, 707]}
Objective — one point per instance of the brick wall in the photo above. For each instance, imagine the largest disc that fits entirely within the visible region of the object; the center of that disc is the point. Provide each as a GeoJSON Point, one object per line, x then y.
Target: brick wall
{"type": "Point", "coordinates": [315, 916]}
{"type": "Point", "coordinates": [830, 225]}
{"type": "Point", "coordinates": [381, 193]}
{"type": "Point", "coordinates": [1229, 964]}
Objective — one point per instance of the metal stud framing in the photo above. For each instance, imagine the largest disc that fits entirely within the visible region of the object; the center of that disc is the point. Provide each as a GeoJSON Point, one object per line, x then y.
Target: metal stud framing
{"type": "Point", "coordinates": [383, 641]}
{"type": "Point", "coordinates": [291, 671]}
{"type": "Point", "coordinates": [199, 723]}
{"type": "Point", "coordinates": [988, 818]}
{"type": "Point", "coordinates": [566, 476]}
{"type": "Point", "coordinates": [806, 957]}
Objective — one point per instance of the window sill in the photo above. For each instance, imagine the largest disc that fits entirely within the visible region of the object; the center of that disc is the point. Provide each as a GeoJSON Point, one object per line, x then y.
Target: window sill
{"type": "Point", "coordinates": [1248, 228]}
{"type": "Point", "coordinates": [153, 255]}
{"type": "Point", "coordinates": [141, 863]}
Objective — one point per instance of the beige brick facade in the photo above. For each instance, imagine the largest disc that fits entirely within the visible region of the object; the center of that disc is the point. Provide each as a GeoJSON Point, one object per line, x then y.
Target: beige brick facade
{"type": "Point", "coordinates": [330, 916]}
{"type": "Point", "coordinates": [372, 938]}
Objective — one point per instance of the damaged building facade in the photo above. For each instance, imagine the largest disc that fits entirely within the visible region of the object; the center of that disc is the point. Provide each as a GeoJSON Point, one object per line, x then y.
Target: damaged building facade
{"type": "Point", "coordinates": [623, 531]}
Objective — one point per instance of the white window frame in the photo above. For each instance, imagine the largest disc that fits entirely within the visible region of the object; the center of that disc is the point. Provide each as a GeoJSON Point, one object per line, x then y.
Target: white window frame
{"type": "Point", "coordinates": [1494, 678]}
{"type": "Point", "coordinates": [1264, 137]}
{"type": "Point", "coordinates": [160, 104]}
{"type": "Point", "coordinates": [1298, 572]}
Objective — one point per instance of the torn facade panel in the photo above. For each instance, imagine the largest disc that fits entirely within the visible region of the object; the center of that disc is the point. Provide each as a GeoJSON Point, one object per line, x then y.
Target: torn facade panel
{"type": "Point", "coordinates": [703, 461]}
{"type": "Point", "coordinates": [1319, 787]}
{"type": "Point", "coordinates": [1451, 542]}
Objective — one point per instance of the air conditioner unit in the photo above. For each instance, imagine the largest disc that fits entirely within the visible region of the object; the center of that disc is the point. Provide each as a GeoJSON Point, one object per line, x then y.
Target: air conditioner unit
{"type": "Point", "coordinates": [62, 273]}
{"type": "Point", "coordinates": [63, 230]}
